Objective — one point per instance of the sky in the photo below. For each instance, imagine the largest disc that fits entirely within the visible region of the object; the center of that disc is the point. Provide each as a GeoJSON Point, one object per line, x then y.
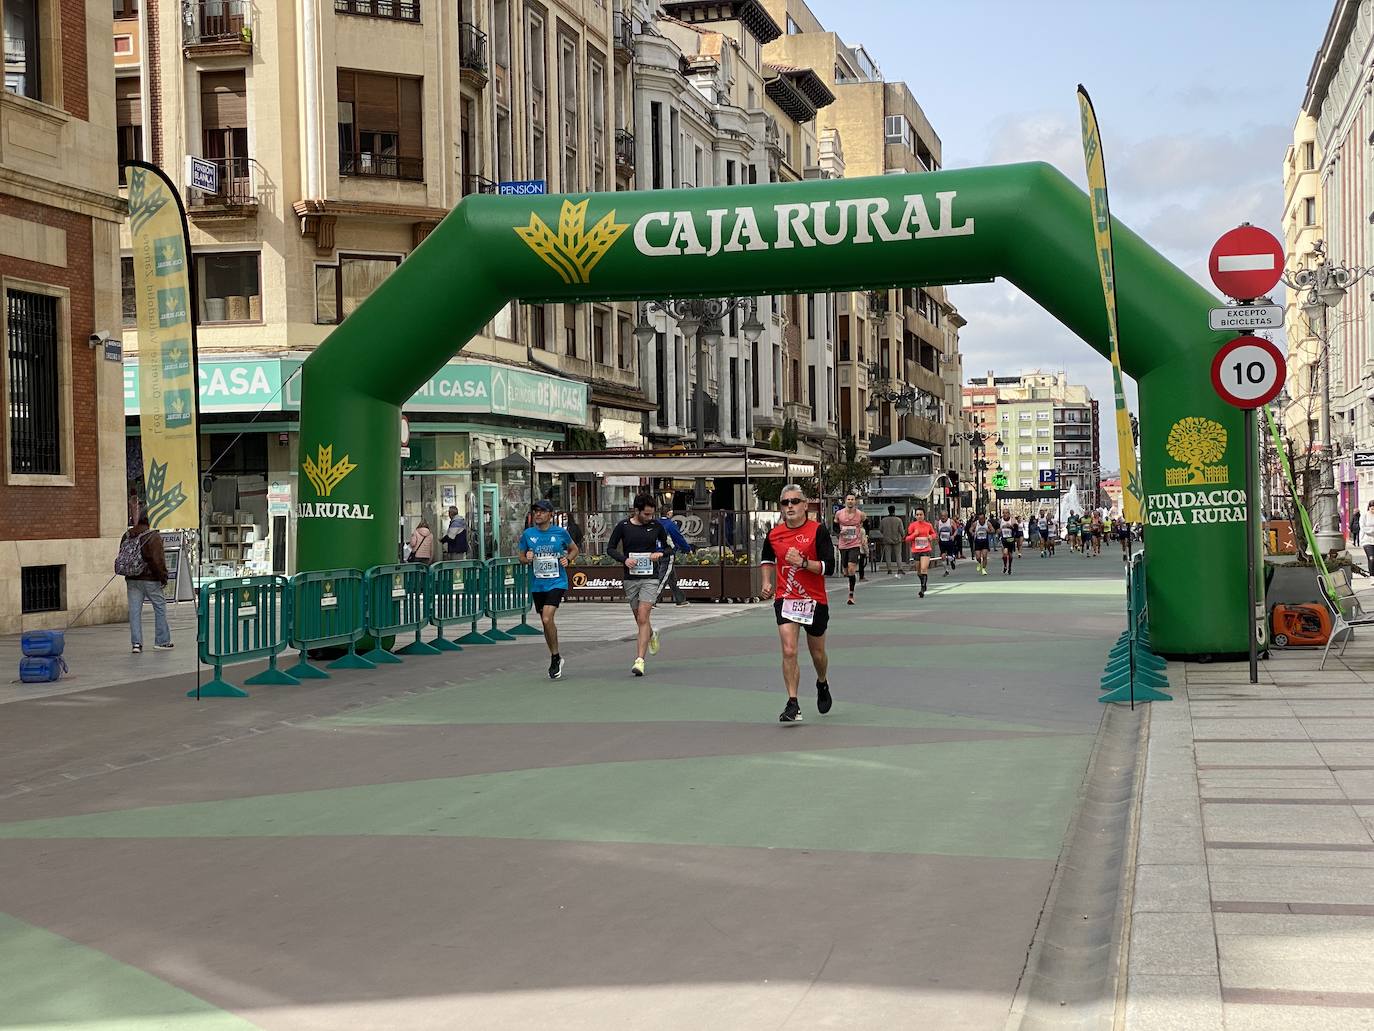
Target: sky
{"type": "Point", "coordinates": [1196, 102]}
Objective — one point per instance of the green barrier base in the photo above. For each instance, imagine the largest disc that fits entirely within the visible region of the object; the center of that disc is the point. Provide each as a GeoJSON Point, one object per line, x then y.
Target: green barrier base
{"type": "Point", "coordinates": [475, 637]}
{"type": "Point", "coordinates": [217, 687]}
{"type": "Point", "coordinates": [419, 647]}
{"type": "Point", "coordinates": [351, 661]}
{"type": "Point", "coordinates": [272, 675]}
{"type": "Point", "coordinates": [497, 634]}
{"type": "Point", "coordinates": [525, 630]}
{"type": "Point", "coordinates": [379, 656]}
{"type": "Point", "coordinates": [304, 671]}
{"type": "Point", "coordinates": [443, 644]}
{"type": "Point", "coordinates": [1141, 694]}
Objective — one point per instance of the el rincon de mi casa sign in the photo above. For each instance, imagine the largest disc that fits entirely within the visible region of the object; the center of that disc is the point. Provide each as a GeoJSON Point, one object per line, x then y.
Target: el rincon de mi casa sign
{"type": "Point", "coordinates": [1025, 223]}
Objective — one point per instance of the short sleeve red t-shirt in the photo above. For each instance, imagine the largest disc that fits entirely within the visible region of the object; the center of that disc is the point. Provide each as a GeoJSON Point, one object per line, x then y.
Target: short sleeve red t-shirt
{"type": "Point", "coordinates": [794, 582]}
{"type": "Point", "coordinates": [920, 534]}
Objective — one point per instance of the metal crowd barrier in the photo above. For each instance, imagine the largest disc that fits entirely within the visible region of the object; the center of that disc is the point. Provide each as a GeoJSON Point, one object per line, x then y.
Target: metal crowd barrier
{"type": "Point", "coordinates": [1134, 672]}
{"type": "Point", "coordinates": [239, 619]}
{"type": "Point", "coordinates": [397, 603]}
{"type": "Point", "coordinates": [457, 594]}
{"type": "Point", "coordinates": [327, 610]}
{"type": "Point", "coordinates": [508, 594]}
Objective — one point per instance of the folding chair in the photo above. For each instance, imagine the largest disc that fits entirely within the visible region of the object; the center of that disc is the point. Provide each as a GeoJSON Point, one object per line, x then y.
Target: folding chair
{"type": "Point", "coordinates": [1339, 622]}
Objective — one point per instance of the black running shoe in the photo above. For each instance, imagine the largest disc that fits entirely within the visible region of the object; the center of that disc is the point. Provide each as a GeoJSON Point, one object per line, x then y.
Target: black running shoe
{"type": "Point", "coordinates": [791, 714]}
{"type": "Point", "coordinates": [556, 667]}
{"type": "Point", "coordinates": [922, 594]}
{"type": "Point", "coordinates": [823, 699]}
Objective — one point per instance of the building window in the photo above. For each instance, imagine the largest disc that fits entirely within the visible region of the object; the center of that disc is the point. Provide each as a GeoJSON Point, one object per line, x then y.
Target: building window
{"type": "Point", "coordinates": [596, 96]}
{"type": "Point", "coordinates": [896, 129]}
{"type": "Point", "coordinates": [1309, 211]}
{"type": "Point", "coordinates": [793, 29]}
{"type": "Point", "coordinates": [227, 285]}
{"type": "Point", "coordinates": [570, 330]}
{"type": "Point", "coordinates": [128, 295]}
{"type": "Point", "coordinates": [626, 344]}
{"type": "Point", "coordinates": [503, 326]}
{"type": "Point", "coordinates": [1309, 156]}
{"type": "Point", "coordinates": [599, 337]}
{"type": "Point", "coordinates": [1042, 449]}
{"type": "Point", "coordinates": [23, 72]}
{"type": "Point", "coordinates": [341, 288]}
{"type": "Point", "coordinates": [381, 131]}
{"type": "Point", "coordinates": [125, 9]}
{"type": "Point", "coordinates": [224, 124]}
{"type": "Point", "coordinates": [41, 589]}
{"type": "Point", "coordinates": [656, 144]}
{"type": "Point", "coordinates": [538, 327]}
{"type": "Point", "coordinates": [35, 383]}
{"type": "Point", "coordinates": [754, 377]}
{"type": "Point", "coordinates": [535, 79]}
{"type": "Point", "coordinates": [128, 122]}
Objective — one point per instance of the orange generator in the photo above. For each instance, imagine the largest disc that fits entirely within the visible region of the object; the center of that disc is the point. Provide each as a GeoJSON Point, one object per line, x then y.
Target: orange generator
{"type": "Point", "coordinates": [1299, 625]}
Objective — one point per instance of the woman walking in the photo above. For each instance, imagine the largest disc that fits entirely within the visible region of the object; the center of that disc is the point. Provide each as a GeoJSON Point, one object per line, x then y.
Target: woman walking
{"type": "Point", "coordinates": [422, 543]}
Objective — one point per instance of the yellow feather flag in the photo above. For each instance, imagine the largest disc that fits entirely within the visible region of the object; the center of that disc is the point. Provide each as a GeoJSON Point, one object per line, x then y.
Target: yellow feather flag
{"type": "Point", "coordinates": [1132, 490]}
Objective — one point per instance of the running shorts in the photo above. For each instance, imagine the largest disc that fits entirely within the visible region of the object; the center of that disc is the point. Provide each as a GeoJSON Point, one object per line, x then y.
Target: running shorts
{"type": "Point", "coordinates": [1009, 544]}
{"type": "Point", "coordinates": [849, 557]}
{"type": "Point", "coordinates": [980, 544]}
{"type": "Point", "coordinates": [820, 620]}
{"type": "Point", "coordinates": [541, 598]}
{"type": "Point", "coordinates": [949, 547]}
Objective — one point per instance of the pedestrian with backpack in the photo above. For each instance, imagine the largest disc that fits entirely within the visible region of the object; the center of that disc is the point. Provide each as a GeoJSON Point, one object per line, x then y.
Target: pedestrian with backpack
{"type": "Point", "coordinates": [143, 564]}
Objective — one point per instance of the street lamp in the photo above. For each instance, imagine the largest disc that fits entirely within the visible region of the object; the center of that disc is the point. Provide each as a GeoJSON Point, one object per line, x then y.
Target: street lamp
{"type": "Point", "coordinates": [1321, 289]}
{"type": "Point", "coordinates": [700, 321]}
{"type": "Point", "coordinates": [978, 439]}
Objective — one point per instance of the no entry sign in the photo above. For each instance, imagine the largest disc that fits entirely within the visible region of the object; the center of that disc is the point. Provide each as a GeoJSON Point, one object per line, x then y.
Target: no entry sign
{"type": "Point", "coordinates": [1248, 372]}
{"type": "Point", "coordinates": [1246, 262]}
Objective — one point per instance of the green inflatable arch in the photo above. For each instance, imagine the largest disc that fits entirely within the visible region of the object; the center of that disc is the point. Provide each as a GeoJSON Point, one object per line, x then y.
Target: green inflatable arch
{"type": "Point", "coordinates": [1027, 223]}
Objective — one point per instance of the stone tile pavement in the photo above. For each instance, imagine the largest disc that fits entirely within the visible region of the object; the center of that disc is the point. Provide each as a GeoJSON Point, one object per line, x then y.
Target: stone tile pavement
{"type": "Point", "coordinates": [1253, 907]}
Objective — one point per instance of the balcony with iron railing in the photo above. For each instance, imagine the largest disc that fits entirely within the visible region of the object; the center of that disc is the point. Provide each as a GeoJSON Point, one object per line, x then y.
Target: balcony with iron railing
{"type": "Point", "coordinates": [472, 55]}
{"type": "Point", "coordinates": [389, 10]}
{"type": "Point", "coordinates": [381, 166]}
{"type": "Point", "coordinates": [624, 150]}
{"type": "Point", "coordinates": [623, 33]}
{"type": "Point", "coordinates": [477, 184]}
{"type": "Point", "coordinates": [240, 179]}
{"type": "Point", "coordinates": [217, 28]}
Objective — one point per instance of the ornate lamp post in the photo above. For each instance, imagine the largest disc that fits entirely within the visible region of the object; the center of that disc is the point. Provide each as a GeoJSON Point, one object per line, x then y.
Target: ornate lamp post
{"type": "Point", "coordinates": [978, 439]}
{"type": "Point", "coordinates": [1320, 289]}
{"type": "Point", "coordinates": [700, 321]}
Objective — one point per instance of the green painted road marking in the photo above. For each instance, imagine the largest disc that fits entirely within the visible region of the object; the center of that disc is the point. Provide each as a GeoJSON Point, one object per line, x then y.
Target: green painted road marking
{"type": "Point", "coordinates": [1003, 799]}
{"type": "Point", "coordinates": [926, 656]}
{"type": "Point", "coordinates": [529, 697]}
{"type": "Point", "coordinates": [51, 983]}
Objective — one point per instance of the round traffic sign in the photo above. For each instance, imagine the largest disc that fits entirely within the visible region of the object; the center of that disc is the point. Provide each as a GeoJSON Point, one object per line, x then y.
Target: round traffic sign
{"type": "Point", "coordinates": [1246, 262]}
{"type": "Point", "coordinates": [405, 431]}
{"type": "Point", "coordinates": [1248, 372]}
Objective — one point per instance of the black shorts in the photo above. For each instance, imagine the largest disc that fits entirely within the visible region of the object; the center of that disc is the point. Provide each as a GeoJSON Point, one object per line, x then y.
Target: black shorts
{"type": "Point", "coordinates": [980, 544]}
{"type": "Point", "coordinates": [819, 622]}
{"type": "Point", "coordinates": [1009, 544]}
{"type": "Point", "coordinates": [949, 547]}
{"type": "Point", "coordinates": [850, 556]}
{"type": "Point", "coordinates": [541, 598]}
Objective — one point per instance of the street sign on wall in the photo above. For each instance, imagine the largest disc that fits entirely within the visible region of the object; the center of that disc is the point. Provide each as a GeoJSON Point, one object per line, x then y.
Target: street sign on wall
{"type": "Point", "coordinates": [1246, 262]}
{"type": "Point", "coordinates": [524, 188]}
{"type": "Point", "coordinates": [1248, 372]}
{"type": "Point", "coordinates": [1243, 318]}
{"type": "Point", "coordinates": [202, 174]}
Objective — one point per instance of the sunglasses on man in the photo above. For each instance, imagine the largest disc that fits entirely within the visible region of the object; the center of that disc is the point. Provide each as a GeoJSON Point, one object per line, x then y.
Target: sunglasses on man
{"type": "Point", "coordinates": [787, 502]}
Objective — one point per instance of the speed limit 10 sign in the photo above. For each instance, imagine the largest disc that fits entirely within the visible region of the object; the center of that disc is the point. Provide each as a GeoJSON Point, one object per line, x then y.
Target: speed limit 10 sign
{"type": "Point", "coordinates": [1248, 372]}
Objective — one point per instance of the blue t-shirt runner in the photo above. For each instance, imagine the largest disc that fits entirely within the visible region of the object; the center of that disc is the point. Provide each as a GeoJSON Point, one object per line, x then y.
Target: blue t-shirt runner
{"type": "Point", "coordinates": [545, 547]}
{"type": "Point", "coordinates": [547, 573]}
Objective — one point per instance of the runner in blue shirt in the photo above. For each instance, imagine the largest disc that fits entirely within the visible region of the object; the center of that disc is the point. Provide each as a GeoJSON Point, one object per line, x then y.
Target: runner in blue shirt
{"type": "Point", "coordinates": [548, 550]}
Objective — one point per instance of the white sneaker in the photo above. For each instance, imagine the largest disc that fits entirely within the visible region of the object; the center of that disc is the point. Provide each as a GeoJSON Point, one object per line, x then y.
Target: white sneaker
{"type": "Point", "coordinates": [638, 668]}
{"type": "Point", "coordinates": [653, 643]}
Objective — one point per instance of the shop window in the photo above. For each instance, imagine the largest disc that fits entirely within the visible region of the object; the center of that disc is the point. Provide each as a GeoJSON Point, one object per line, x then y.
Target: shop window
{"type": "Point", "coordinates": [127, 293]}
{"type": "Point", "coordinates": [341, 288]}
{"type": "Point", "coordinates": [228, 287]}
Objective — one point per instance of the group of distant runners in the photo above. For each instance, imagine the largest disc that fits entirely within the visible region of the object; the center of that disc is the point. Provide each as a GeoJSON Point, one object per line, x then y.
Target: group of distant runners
{"type": "Point", "coordinates": [797, 556]}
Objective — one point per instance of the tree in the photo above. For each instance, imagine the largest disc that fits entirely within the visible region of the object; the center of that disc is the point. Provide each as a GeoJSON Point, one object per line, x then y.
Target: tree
{"type": "Point", "coordinates": [1197, 442]}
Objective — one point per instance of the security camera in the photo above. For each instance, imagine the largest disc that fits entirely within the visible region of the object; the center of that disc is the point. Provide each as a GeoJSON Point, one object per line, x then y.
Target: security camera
{"type": "Point", "coordinates": [98, 338]}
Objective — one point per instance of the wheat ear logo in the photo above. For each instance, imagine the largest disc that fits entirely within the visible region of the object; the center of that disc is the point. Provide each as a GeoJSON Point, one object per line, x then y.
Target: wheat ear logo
{"type": "Point", "coordinates": [161, 499]}
{"type": "Point", "coordinates": [572, 252]}
{"type": "Point", "coordinates": [324, 473]}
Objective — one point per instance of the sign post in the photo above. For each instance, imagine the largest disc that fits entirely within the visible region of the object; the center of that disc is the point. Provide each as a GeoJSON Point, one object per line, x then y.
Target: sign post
{"type": "Point", "coordinates": [1248, 372]}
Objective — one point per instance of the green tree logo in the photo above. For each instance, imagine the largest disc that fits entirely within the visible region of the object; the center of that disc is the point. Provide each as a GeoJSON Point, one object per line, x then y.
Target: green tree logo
{"type": "Point", "coordinates": [1200, 444]}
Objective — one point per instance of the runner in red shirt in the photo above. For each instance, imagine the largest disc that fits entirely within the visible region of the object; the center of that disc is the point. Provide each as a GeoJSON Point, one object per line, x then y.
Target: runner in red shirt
{"type": "Point", "coordinates": [920, 534]}
{"type": "Point", "coordinates": [853, 540]}
{"type": "Point", "coordinates": [797, 557]}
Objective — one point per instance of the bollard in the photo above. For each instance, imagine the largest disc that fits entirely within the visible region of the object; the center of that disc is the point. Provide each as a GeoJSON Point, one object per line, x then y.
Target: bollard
{"type": "Point", "coordinates": [238, 619]}
{"type": "Point", "coordinates": [327, 611]}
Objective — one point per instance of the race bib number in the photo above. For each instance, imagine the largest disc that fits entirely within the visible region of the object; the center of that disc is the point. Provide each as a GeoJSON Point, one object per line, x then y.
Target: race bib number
{"type": "Point", "coordinates": [1007, 533]}
{"type": "Point", "coordinates": [799, 610]}
{"type": "Point", "coordinates": [643, 563]}
{"type": "Point", "coordinates": [922, 544]}
{"type": "Point", "coordinates": [945, 535]}
{"type": "Point", "coordinates": [849, 535]}
{"type": "Point", "coordinates": [546, 567]}
{"type": "Point", "coordinates": [980, 535]}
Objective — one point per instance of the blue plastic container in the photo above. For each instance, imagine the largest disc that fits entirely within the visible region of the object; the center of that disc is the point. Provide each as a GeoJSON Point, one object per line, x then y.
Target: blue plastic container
{"type": "Point", "coordinates": [41, 670]}
{"type": "Point", "coordinates": [42, 644]}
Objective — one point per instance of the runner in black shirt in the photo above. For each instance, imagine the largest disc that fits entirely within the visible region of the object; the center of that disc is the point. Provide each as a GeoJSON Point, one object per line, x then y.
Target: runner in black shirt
{"type": "Point", "coordinates": [640, 542]}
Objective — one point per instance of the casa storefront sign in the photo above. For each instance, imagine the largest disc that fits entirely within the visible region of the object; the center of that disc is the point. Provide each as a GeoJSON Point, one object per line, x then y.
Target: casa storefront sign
{"type": "Point", "coordinates": [271, 385]}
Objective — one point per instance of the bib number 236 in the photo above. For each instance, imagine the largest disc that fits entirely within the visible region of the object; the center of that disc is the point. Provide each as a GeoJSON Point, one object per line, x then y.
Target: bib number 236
{"type": "Point", "coordinates": [799, 610]}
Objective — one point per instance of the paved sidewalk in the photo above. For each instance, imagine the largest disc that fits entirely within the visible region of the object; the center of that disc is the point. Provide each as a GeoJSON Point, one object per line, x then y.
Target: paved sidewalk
{"type": "Point", "coordinates": [1254, 893]}
{"type": "Point", "coordinates": [99, 656]}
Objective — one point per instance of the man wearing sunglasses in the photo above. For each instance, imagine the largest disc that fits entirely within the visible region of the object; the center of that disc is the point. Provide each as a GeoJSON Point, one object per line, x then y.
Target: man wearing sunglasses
{"type": "Point", "coordinates": [797, 557]}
